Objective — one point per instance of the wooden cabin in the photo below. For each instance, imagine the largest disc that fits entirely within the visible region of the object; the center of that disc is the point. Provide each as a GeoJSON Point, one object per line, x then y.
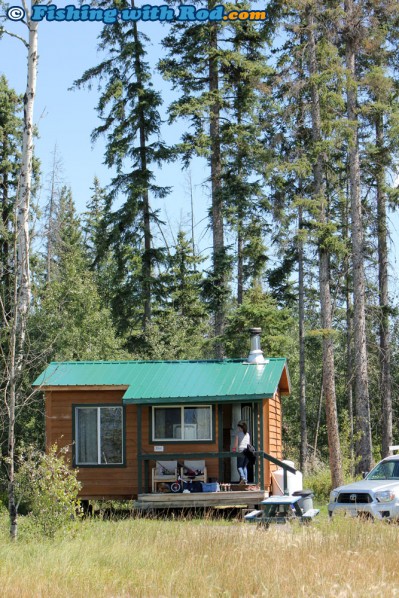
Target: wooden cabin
{"type": "Point", "coordinates": [120, 418]}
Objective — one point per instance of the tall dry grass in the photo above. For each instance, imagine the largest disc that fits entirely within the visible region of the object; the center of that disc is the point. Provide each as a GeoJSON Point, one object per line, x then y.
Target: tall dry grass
{"type": "Point", "coordinates": [148, 558]}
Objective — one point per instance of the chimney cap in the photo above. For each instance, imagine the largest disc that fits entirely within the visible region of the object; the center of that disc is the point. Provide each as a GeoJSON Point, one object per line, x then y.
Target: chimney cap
{"type": "Point", "coordinates": [255, 354]}
{"type": "Point", "coordinates": [255, 330]}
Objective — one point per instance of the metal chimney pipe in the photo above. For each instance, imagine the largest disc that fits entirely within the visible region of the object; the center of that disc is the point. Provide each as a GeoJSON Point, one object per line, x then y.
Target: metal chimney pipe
{"type": "Point", "coordinates": [255, 354]}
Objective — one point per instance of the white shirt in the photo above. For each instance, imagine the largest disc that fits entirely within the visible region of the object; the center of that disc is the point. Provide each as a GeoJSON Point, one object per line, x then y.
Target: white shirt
{"type": "Point", "coordinates": [243, 440]}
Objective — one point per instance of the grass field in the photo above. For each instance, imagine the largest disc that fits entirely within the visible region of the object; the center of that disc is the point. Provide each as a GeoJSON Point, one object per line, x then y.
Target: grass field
{"type": "Point", "coordinates": [150, 558]}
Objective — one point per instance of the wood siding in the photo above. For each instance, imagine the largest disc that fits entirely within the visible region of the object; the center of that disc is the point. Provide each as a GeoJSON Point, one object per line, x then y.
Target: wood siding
{"type": "Point", "coordinates": [114, 481]}
{"type": "Point", "coordinates": [123, 481]}
{"type": "Point", "coordinates": [98, 482]}
{"type": "Point", "coordinates": [272, 422]}
{"type": "Point", "coordinates": [178, 447]}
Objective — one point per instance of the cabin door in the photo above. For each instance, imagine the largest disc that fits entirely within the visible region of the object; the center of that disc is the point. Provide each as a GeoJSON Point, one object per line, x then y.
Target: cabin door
{"type": "Point", "coordinates": [247, 416]}
{"type": "Point", "coordinates": [240, 411]}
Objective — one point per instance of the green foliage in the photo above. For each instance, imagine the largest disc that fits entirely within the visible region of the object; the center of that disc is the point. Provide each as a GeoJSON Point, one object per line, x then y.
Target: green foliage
{"type": "Point", "coordinates": [180, 326]}
{"type": "Point", "coordinates": [49, 488]}
{"type": "Point", "coordinates": [173, 336]}
{"type": "Point", "coordinates": [319, 476]}
{"type": "Point", "coordinates": [3, 500]}
{"type": "Point", "coordinates": [10, 162]}
{"type": "Point", "coordinates": [260, 309]}
{"type": "Point", "coordinates": [128, 107]}
{"type": "Point", "coordinates": [68, 321]}
{"type": "Point", "coordinates": [320, 483]}
{"type": "Point", "coordinates": [219, 71]}
{"type": "Point", "coordinates": [260, 107]}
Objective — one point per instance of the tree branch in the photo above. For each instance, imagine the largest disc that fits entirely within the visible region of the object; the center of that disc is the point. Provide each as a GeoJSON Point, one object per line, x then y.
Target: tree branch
{"type": "Point", "coordinates": [21, 39]}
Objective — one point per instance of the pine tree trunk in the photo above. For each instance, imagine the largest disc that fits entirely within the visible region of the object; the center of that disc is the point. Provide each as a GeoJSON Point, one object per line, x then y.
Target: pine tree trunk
{"type": "Point", "coordinates": [240, 266]}
{"type": "Point", "coordinates": [302, 370]}
{"type": "Point", "coordinates": [318, 422]}
{"type": "Point", "coordinates": [349, 375]}
{"type": "Point", "coordinates": [303, 453]}
{"type": "Point", "coordinates": [385, 351]}
{"type": "Point", "coordinates": [240, 226]}
{"type": "Point", "coordinates": [217, 207]}
{"type": "Point", "coordinates": [364, 444]}
{"type": "Point", "coordinates": [146, 259]}
{"type": "Point", "coordinates": [324, 276]}
{"type": "Point", "coordinates": [349, 330]}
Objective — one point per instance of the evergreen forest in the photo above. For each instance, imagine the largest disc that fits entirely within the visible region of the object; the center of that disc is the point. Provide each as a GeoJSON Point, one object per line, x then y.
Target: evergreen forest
{"type": "Point", "coordinates": [296, 119]}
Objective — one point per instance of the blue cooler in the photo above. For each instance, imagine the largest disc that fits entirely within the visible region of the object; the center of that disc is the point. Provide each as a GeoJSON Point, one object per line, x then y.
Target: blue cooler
{"type": "Point", "coordinates": [210, 487]}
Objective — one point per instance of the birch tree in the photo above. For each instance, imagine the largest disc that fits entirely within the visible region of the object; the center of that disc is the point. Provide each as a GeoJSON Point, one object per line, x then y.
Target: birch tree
{"type": "Point", "coordinates": [17, 321]}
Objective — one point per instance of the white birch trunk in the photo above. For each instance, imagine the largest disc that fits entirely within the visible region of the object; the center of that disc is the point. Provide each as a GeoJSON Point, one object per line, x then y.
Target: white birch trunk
{"type": "Point", "coordinates": [22, 294]}
{"type": "Point", "coordinates": [24, 195]}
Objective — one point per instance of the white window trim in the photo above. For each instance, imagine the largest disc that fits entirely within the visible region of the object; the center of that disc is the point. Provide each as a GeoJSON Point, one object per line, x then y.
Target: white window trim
{"type": "Point", "coordinates": [98, 408]}
{"type": "Point", "coordinates": [181, 407]}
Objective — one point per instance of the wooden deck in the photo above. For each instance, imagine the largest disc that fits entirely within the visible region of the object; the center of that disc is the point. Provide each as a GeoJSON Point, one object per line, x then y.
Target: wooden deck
{"type": "Point", "coordinates": [196, 500]}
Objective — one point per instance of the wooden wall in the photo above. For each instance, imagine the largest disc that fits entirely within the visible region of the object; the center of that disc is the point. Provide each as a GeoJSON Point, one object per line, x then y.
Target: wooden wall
{"type": "Point", "coordinates": [272, 421]}
{"type": "Point", "coordinates": [181, 447]}
{"type": "Point", "coordinates": [115, 482]}
{"type": "Point", "coordinates": [98, 482]}
{"type": "Point", "coordinates": [122, 482]}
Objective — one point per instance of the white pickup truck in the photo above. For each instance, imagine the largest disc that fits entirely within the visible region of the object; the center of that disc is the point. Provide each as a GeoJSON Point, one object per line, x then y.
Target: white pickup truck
{"type": "Point", "coordinates": [377, 495]}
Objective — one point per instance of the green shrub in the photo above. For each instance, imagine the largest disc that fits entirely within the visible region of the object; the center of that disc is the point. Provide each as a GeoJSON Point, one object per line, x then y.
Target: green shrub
{"type": "Point", "coordinates": [3, 500]}
{"type": "Point", "coordinates": [49, 489]}
{"type": "Point", "coordinates": [320, 483]}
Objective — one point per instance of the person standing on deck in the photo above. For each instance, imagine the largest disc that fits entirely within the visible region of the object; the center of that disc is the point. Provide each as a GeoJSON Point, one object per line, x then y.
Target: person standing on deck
{"type": "Point", "coordinates": [241, 442]}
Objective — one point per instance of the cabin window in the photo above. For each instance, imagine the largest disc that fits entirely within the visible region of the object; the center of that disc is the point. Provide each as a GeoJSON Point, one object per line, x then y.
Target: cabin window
{"type": "Point", "coordinates": [99, 435]}
{"type": "Point", "coordinates": [188, 423]}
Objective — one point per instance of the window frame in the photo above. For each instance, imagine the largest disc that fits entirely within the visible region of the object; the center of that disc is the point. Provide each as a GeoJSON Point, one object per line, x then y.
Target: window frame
{"type": "Point", "coordinates": [98, 407]}
{"type": "Point", "coordinates": [210, 440]}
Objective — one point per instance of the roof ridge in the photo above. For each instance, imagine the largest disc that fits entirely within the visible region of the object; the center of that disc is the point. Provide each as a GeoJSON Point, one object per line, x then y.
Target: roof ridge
{"type": "Point", "coordinates": [148, 361]}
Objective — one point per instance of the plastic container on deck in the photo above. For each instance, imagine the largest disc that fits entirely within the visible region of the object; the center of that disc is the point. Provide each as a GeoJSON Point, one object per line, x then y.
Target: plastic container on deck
{"type": "Point", "coordinates": [306, 500]}
{"type": "Point", "coordinates": [210, 487]}
{"type": "Point", "coordinates": [294, 481]}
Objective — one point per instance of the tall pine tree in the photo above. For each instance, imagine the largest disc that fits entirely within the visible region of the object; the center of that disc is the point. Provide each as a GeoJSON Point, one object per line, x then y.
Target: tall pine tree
{"type": "Point", "coordinates": [68, 321]}
{"type": "Point", "coordinates": [129, 110]}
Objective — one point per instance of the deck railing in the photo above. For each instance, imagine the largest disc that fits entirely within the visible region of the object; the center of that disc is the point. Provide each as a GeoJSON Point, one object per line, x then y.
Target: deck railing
{"type": "Point", "coordinates": [146, 458]}
{"type": "Point", "coordinates": [286, 468]}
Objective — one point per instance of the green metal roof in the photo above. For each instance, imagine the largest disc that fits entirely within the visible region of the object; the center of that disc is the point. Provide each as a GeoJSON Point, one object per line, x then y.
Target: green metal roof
{"type": "Point", "coordinates": [154, 382]}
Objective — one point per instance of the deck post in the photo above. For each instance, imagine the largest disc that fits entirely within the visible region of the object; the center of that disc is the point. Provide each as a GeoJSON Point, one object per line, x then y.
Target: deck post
{"type": "Point", "coordinates": [139, 452]}
{"type": "Point", "coordinates": [256, 442]}
{"type": "Point", "coordinates": [220, 441]}
{"type": "Point", "coordinates": [146, 475]}
{"type": "Point", "coordinates": [261, 448]}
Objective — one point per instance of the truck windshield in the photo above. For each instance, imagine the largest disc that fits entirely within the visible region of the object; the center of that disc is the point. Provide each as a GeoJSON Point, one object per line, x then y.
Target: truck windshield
{"type": "Point", "coordinates": [386, 470]}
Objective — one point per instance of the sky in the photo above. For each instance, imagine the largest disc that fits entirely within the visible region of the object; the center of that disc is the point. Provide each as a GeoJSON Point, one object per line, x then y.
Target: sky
{"type": "Point", "coordinates": [66, 118]}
